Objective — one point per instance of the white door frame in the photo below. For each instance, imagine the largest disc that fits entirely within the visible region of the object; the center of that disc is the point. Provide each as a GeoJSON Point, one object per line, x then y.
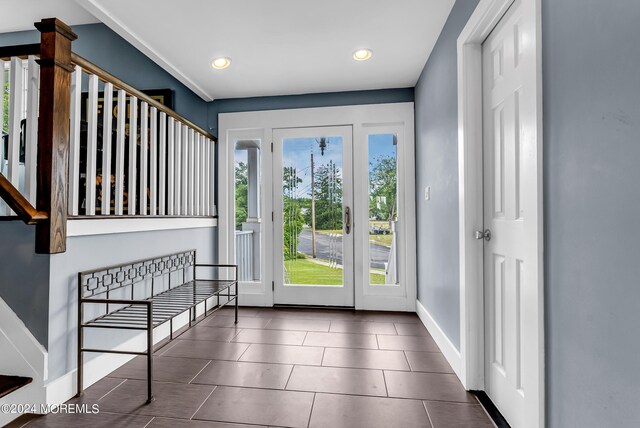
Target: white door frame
{"type": "Point", "coordinates": [258, 126]}
{"type": "Point", "coordinates": [470, 139]}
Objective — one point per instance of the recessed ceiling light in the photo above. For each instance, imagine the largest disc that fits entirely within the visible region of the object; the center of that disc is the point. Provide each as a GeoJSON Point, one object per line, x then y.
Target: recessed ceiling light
{"type": "Point", "coordinates": [362, 54]}
{"type": "Point", "coordinates": [221, 63]}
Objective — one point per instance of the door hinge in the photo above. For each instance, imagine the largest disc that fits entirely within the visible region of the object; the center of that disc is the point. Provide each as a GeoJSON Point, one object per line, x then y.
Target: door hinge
{"type": "Point", "coordinates": [272, 217]}
{"type": "Point", "coordinates": [273, 285]}
{"type": "Point", "coordinates": [271, 147]}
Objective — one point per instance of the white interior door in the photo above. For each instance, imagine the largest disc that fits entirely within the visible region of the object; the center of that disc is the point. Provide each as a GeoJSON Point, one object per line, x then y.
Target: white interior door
{"type": "Point", "coordinates": [313, 216]}
{"type": "Point", "coordinates": [510, 213]}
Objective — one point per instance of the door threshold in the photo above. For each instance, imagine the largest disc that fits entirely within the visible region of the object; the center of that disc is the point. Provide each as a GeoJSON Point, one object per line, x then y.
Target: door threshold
{"type": "Point", "coordinates": [491, 409]}
{"type": "Point", "coordinates": [285, 306]}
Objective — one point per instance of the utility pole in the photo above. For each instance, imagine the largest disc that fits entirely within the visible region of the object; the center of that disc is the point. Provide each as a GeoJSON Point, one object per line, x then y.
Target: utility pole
{"type": "Point", "coordinates": [313, 211]}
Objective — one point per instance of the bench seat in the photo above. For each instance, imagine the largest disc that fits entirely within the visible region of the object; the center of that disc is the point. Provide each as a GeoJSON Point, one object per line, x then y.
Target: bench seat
{"type": "Point", "coordinates": [166, 305]}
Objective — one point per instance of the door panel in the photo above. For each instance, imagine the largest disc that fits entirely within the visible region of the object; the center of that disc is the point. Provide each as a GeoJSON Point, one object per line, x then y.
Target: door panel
{"type": "Point", "coordinates": [509, 188]}
{"type": "Point", "coordinates": [313, 212]}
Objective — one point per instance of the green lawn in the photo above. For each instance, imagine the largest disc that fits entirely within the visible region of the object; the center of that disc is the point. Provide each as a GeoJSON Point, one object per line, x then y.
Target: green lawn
{"type": "Point", "coordinates": [304, 271]}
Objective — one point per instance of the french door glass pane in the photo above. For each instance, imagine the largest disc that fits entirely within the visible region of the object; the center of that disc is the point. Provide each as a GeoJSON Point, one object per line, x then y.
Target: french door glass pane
{"type": "Point", "coordinates": [312, 206]}
{"type": "Point", "coordinates": [383, 209]}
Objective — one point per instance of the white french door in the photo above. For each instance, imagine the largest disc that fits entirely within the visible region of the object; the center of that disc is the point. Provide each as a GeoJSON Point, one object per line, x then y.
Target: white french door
{"type": "Point", "coordinates": [365, 164]}
{"type": "Point", "coordinates": [313, 248]}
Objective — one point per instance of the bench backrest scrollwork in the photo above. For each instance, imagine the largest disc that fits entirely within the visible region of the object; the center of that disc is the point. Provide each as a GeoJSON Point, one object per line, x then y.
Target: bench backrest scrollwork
{"type": "Point", "coordinates": [102, 281]}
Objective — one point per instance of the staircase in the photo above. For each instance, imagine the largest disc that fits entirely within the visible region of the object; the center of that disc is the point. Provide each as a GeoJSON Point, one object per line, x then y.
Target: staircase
{"type": "Point", "coordinates": [23, 364]}
{"type": "Point", "coordinates": [9, 384]}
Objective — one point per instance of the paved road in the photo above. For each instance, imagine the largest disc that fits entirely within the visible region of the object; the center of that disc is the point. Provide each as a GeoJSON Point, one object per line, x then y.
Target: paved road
{"type": "Point", "coordinates": [324, 244]}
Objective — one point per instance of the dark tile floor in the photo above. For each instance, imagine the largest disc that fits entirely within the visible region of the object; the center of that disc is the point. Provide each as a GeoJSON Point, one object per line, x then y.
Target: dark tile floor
{"type": "Point", "coordinates": [287, 368]}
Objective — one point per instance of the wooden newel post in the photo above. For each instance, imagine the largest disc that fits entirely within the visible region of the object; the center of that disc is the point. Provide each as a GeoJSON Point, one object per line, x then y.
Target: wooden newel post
{"type": "Point", "coordinates": [53, 134]}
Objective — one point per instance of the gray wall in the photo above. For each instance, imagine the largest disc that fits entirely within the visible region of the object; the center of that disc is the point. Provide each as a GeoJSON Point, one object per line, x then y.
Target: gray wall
{"type": "Point", "coordinates": [329, 99]}
{"type": "Point", "coordinates": [591, 58]}
{"type": "Point", "coordinates": [100, 45]}
{"type": "Point", "coordinates": [436, 106]}
{"type": "Point", "coordinates": [24, 277]}
{"type": "Point", "coordinates": [91, 252]}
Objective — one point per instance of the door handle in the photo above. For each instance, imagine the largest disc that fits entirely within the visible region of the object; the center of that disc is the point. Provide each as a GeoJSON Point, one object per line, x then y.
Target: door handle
{"type": "Point", "coordinates": [347, 220]}
{"type": "Point", "coordinates": [486, 234]}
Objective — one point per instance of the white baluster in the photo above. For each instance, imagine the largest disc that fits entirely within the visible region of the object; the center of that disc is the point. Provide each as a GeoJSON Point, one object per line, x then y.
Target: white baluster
{"type": "Point", "coordinates": [31, 143]}
{"type": "Point", "coordinates": [144, 151]}
{"type": "Point", "coordinates": [107, 122]}
{"type": "Point", "coordinates": [184, 181]}
{"type": "Point", "coordinates": [74, 141]}
{"type": "Point", "coordinates": [205, 159]}
{"type": "Point", "coordinates": [92, 146]}
{"type": "Point", "coordinates": [196, 173]}
{"type": "Point", "coordinates": [120, 150]}
{"type": "Point", "coordinates": [153, 163]}
{"type": "Point", "coordinates": [178, 169]}
{"type": "Point", "coordinates": [133, 154]}
{"type": "Point", "coordinates": [162, 178]}
{"type": "Point", "coordinates": [191, 170]}
{"type": "Point", "coordinates": [15, 117]}
{"type": "Point", "coordinates": [201, 178]}
{"type": "Point", "coordinates": [171, 166]}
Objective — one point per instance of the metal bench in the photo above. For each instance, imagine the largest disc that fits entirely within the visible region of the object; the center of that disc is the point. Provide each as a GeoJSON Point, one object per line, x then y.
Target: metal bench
{"type": "Point", "coordinates": [145, 294]}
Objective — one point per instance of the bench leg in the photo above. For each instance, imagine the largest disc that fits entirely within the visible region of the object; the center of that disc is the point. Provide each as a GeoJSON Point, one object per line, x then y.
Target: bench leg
{"type": "Point", "coordinates": [79, 360]}
{"type": "Point", "coordinates": [149, 355]}
{"type": "Point", "coordinates": [236, 303]}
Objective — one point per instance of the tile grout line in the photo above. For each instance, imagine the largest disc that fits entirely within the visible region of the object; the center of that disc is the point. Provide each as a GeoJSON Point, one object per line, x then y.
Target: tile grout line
{"type": "Point", "coordinates": [243, 352]}
{"type": "Point", "coordinates": [395, 327]}
{"type": "Point", "coordinates": [313, 402]}
{"type": "Point", "coordinates": [168, 347]}
{"type": "Point", "coordinates": [407, 358]}
{"type": "Point", "coordinates": [293, 366]}
{"type": "Point", "coordinates": [112, 389]}
{"type": "Point", "coordinates": [151, 420]}
{"type": "Point", "coordinates": [236, 335]}
{"type": "Point", "coordinates": [202, 404]}
{"type": "Point", "coordinates": [201, 370]}
{"type": "Point", "coordinates": [384, 379]}
{"type": "Point", "coordinates": [424, 405]}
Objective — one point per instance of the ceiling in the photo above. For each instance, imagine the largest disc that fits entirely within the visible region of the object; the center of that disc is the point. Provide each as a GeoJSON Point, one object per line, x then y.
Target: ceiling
{"type": "Point", "coordinates": [19, 15]}
{"type": "Point", "coordinates": [277, 47]}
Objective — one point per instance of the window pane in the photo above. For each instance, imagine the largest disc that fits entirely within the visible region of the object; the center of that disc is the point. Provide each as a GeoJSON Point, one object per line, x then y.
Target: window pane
{"type": "Point", "coordinates": [248, 225]}
{"type": "Point", "coordinates": [312, 207]}
{"type": "Point", "coordinates": [383, 209]}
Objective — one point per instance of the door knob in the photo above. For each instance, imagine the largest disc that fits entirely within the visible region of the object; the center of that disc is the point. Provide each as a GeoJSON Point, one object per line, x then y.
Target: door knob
{"type": "Point", "coordinates": [486, 235]}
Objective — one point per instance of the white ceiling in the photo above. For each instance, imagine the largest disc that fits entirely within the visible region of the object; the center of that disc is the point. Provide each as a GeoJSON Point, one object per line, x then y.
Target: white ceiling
{"type": "Point", "coordinates": [19, 15]}
{"type": "Point", "coordinates": [277, 47]}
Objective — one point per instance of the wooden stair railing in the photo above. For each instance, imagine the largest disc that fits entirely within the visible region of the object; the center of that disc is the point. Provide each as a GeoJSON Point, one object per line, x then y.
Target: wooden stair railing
{"type": "Point", "coordinates": [18, 203]}
{"type": "Point", "coordinates": [51, 174]}
{"type": "Point", "coordinates": [174, 175]}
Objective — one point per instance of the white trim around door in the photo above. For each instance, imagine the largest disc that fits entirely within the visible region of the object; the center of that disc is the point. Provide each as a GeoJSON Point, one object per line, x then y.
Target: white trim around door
{"type": "Point", "coordinates": [365, 120]}
{"type": "Point", "coordinates": [470, 162]}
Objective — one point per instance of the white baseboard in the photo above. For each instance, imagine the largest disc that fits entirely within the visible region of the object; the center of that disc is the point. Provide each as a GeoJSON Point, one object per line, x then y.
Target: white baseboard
{"type": "Point", "coordinates": [447, 348]}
